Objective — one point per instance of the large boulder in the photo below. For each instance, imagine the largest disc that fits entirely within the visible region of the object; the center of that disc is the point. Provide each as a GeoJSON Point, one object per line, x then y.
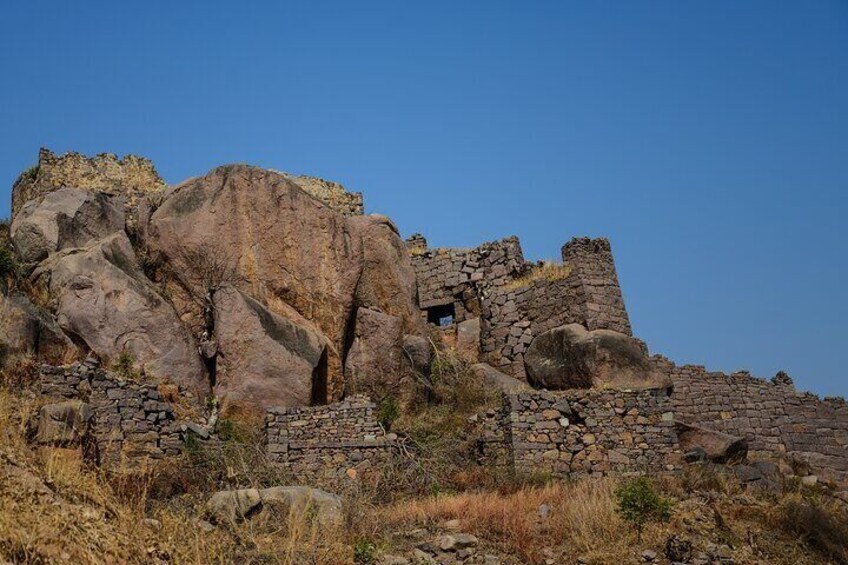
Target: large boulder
{"type": "Point", "coordinates": [236, 505]}
{"type": "Point", "coordinates": [496, 380]}
{"type": "Point", "coordinates": [265, 359]}
{"type": "Point", "coordinates": [104, 300]}
{"type": "Point", "coordinates": [716, 446]}
{"type": "Point", "coordinates": [64, 423]}
{"type": "Point", "coordinates": [571, 357]}
{"type": "Point", "coordinates": [289, 251]}
{"type": "Point", "coordinates": [27, 329]}
{"type": "Point", "coordinates": [376, 355]}
{"type": "Point", "coordinates": [388, 282]}
{"type": "Point", "coordinates": [67, 217]}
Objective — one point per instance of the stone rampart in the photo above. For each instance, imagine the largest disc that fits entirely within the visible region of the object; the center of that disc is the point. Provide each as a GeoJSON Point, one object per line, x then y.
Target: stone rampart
{"type": "Point", "coordinates": [771, 415]}
{"type": "Point", "coordinates": [582, 432]}
{"type": "Point", "coordinates": [327, 442]}
{"type": "Point", "coordinates": [131, 422]}
{"type": "Point", "coordinates": [331, 193]}
{"type": "Point", "coordinates": [132, 177]}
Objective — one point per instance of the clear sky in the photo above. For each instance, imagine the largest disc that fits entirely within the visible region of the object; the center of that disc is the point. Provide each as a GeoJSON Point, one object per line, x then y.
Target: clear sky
{"type": "Point", "coordinates": [707, 140]}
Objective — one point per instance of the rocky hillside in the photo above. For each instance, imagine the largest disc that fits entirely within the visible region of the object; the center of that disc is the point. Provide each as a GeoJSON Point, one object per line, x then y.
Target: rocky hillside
{"type": "Point", "coordinates": [246, 368]}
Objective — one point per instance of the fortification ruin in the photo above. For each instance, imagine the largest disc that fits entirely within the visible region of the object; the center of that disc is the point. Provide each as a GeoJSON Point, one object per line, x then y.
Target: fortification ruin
{"type": "Point", "coordinates": [376, 297]}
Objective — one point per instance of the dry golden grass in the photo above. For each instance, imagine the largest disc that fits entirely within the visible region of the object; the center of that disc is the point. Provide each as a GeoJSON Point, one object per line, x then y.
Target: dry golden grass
{"type": "Point", "coordinates": [582, 518]}
{"type": "Point", "coordinates": [53, 508]}
{"type": "Point", "coordinates": [548, 270]}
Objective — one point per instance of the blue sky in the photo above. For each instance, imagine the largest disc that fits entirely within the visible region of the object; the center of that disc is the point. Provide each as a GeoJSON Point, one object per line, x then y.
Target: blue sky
{"type": "Point", "coordinates": [707, 140]}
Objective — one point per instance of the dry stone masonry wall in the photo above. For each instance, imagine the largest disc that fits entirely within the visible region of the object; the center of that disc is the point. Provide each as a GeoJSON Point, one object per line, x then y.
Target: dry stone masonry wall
{"type": "Point", "coordinates": [132, 177]}
{"type": "Point", "coordinates": [494, 282]}
{"type": "Point", "coordinates": [771, 415]}
{"type": "Point", "coordinates": [331, 193]}
{"type": "Point", "coordinates": [327, 442]}
{"type": "Point", "coordinates": [131, 423]}
{"type": "Point", "coordinates": [584, 432]}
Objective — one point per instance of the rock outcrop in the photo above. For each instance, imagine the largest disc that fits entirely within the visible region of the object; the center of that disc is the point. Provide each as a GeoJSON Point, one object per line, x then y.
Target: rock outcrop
{"type": "Point", "coordinates": [376, 355]}
{"type": "Point", "coordinates": [27, 329]}
{"type": "Point", "coordinates": [104, 300]}
{"type": "Point", "coordinates": [264, 359]}
{"type": "Point", "coordinates": [496, 380]}
{"type": "Point", "coordinates": [290, 252]}
{"type": "Point", "coordinates": [717, 447]}
{"type": "Point", "coordinates": [230, 506]}
{"type": "Point", "coordinates": [64, 218]}
{"type": "Point", "coordinates": [569, 357]}
{"type": "Point", "coordinates": [64, 423]}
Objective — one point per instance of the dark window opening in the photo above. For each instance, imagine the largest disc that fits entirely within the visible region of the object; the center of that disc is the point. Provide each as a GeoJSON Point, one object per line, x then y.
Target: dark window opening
{"type": "Point", "coordinates": [442, 315]}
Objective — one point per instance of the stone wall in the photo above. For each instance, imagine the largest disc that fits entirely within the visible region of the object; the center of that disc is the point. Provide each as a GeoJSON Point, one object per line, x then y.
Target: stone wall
{"type": "Point", "coordinates": [772, 415]}
{"type": "Point", "coordinates": [516, 300]}
{"type": "Point", "coordinates": [132, 422]}
{"type": "Point", "coordinates": [456, 277]}
{"type": "Point", "coordinates": [327, 442]}
{"type": "Point", "coordinates": [601, 302]}
{"type": "Point", "coordinates": [132, 177]}
{"type": "Point", "coordinates": [331, 193]}
{"type": "Point", "coordinates": [582, 432]}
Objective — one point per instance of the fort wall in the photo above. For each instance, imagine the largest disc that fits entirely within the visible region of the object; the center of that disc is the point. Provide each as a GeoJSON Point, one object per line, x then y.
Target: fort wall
{"type": "Point", "coordinates": [581, 432]}
{"type": "Point", "coordinates": [132, 422]}
{"type": "Point", "coordinates": [771, 415]}
{"type": "Point", "coordinates": [327, 442]}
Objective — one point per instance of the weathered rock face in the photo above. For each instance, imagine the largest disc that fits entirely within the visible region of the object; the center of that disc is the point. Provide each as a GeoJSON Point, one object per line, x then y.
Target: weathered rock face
{"type": "Point", "coordinates": [717, 447]}
{"type": "Point", "coordinates": [468, 338]}
{"type": "Point", "coordinates": [293, 254]}
{"type": "Point", "coordinates": [376, 355]}
{"type": "Point", "coordinates": [571, 357]}
{"type": "Point", "coordinates": [64, 423]}
{"type": "Point", "coordinates": [104, 300]}
{"type": "Point", "coordinates": [494, 379]}
{"type": "Point", "coordinates": [265, 359]}
{"type": "Point", "coordinates": [237, 505]}
{"type": "Point", "coordinates": [131, 177]}
{"type": "Point", "coordinates": [66, 217]}
{"type": "Point", "coordinates": [25, 328]}
{"type": "Point", "coordinates": [388, 281]}
{"type": "Point", "coordinates": [419, 352]}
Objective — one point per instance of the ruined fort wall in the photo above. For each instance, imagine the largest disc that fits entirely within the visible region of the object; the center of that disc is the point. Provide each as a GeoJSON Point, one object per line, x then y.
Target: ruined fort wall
{"type": "Point", "coordinates": [582, 432]}
{"type": "Point", "coordinates": [601, 301]}
{"type": "Point", "coordinates": [132, 177]}
{"type": "Point", "coordinates": [772, 415]}
{"type": "Point", "coordinates": [331, 193]}
{"type": "Point", "coordinates": [327, 442]}
{"type": "Point", "coordinates": [457, 277]}
{"type": "Point", "coordinates": [131, 423]}
{"type": "Point", "coordinates": [585, 291]}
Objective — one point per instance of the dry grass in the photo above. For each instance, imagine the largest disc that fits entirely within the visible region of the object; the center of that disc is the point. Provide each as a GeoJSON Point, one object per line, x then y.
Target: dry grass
{"type": "Point", "coordinates": [582, 518]}
{"type": "Point", "coordinates": [53, 508]}
{"type": "Point", "coordinates": [546, 270]}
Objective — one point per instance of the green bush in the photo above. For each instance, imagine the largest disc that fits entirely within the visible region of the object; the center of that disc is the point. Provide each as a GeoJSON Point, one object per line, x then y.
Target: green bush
{"type": "Point", "coordinates": [364, 552]}
{"type": "Point", "coordinates": [639, 503]}
{"type": "Point", "coordinates": [388, 411]}
{"type": "Point", "coordinates": [124, 367]}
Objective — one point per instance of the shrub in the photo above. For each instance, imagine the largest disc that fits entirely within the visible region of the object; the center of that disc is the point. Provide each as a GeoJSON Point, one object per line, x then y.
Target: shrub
{"type": "Point", "coordinates": [364, 552]}
{"type": "Point", "coordinates": [388, 411]}
{"type": "Point", "coordinates": [124, 366]}
{"type": "Point", "coordinates": [639, 503]}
